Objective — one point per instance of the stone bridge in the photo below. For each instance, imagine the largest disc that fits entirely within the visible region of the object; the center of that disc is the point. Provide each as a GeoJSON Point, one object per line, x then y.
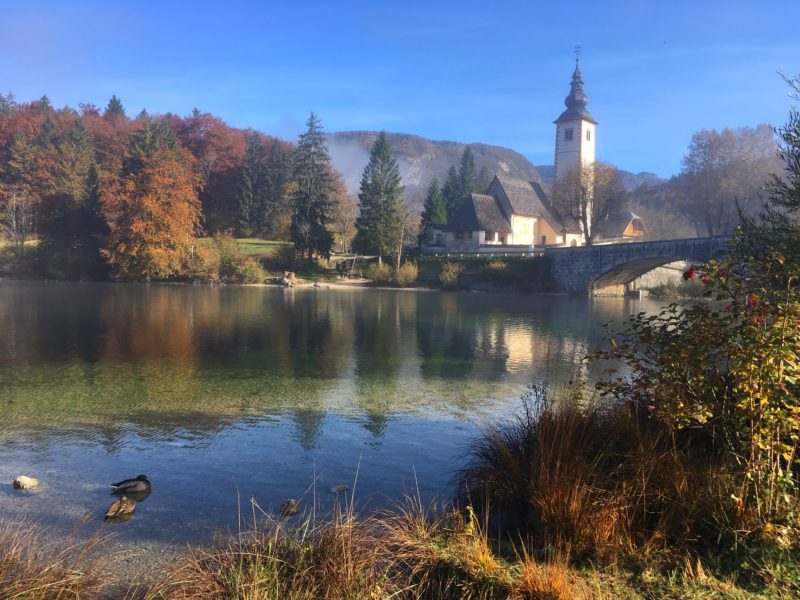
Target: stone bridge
{"type": "Point", "coordinates": [608, 268]}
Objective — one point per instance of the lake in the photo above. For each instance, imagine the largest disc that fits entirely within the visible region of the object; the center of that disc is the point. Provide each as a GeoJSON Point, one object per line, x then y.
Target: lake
{"type": "Point", "coordinates": [222, 394]}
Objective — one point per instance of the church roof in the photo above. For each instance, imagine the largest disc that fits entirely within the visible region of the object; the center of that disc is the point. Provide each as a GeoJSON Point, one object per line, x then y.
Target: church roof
{"type": "Point", "coordinates": [576, 101]}
{"type": "Point", "coordinates": [479, 213]}
{"type": "Point", "coordinates": [527, 198]}
{"type": "Point", "coordinates": [615, 224]}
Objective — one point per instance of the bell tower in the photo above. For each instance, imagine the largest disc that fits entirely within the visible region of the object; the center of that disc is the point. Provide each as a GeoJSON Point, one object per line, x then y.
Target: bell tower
{"type": "Point", "coordinates": [575, 128]}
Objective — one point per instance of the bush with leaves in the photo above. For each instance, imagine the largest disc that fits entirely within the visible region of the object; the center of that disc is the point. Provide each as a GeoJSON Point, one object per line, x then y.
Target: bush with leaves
{"type": "Point", "coordinates": [449, 274]}
{"type": "Point", "coordinates": [378, 272]}
{"type": "Point", "coordinates": [406, 274]}
{"type": "Point", "coordinates": [725, 367]}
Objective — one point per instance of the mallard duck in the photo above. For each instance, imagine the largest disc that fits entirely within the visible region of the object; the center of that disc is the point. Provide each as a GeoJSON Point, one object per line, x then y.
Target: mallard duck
{"type": "Point", "coordinates": [122, 507]}
{"type": "Point", "coordinates": [289, 507]}
{"type": "Point", "coordinates": [135, 486]}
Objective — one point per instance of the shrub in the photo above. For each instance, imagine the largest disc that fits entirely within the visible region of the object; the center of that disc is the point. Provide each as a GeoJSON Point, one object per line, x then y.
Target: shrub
{"type": "Point", "coordinates": [449, 274]}
{"type": "Point", "coordinates": [221, 259]}
{"type": "Point", "coordinates": [378, 272]}
{"type": "Point", "coordinates": [234, 267]}
{"type": "Point", "coordinates": [595, 480]}
{"type": "Point", "coordinates": [204, 262]}
{"type": "Point", "coordinates": [284, 258]}
{"type": "Point", "coordinates": [406, 274]}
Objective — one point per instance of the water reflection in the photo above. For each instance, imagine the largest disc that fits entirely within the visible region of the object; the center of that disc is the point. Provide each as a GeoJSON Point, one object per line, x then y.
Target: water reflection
{"type": "Point", "coordinates": [269, 386]}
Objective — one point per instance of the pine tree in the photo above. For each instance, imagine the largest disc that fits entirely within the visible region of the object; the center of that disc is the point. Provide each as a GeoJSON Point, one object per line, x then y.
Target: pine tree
{"type": "Point", "coordinates": [151, 136]}
{"type": "Point", "coordinates": [379, 222]}
{"type": "Point", "coordinates": [114, 108]}
{"type": "Point", "coordinates": [252, 188]}
{"type": "Point", "coordinates": [468, 174]}
{"type": "Point", "coordinates": [278, 176]}
{"type": "Point", "coordinates": [451, 190]}
{"type": "Point", "coordinates": [312, 203]}
{"type": "Point", "coordinates": [47, 132]}
{"type": "Point", "coordinates": [434, 211]}
{"type": "Point", "coordinates": [7, 104]}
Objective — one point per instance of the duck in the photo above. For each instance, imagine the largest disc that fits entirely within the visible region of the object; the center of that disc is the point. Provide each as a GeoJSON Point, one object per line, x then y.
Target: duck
{"type": "Point", "coordinates": [289, 507]}
{"type": "Point", "coordinates": [121, 508]}
{"type": "Point", "coordinates": [139, 485]}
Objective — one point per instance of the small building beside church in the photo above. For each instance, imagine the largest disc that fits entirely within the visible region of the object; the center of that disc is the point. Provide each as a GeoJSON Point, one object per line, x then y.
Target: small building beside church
{"type": "Point", "coordinates": [515, 215]}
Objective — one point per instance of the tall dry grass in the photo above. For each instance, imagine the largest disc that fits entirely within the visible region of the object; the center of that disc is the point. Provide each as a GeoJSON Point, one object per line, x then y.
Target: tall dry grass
{"type": "Point", "coordinates": [597, 481]}
{"type": "Point", "coordinates": [340, 557]}
{"type": "Point", "coordinates": [30, 572]}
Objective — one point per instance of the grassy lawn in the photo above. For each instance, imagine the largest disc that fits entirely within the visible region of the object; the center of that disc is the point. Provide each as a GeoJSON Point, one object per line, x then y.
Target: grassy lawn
{"type": "Point", "coordinates": [259, 248]}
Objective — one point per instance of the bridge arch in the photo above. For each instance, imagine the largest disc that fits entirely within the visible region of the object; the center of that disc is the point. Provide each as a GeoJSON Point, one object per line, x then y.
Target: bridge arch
{"type": "Point", "coordinates": [625, 273]}
{"type": "Point", "coordinates": [591, 269]}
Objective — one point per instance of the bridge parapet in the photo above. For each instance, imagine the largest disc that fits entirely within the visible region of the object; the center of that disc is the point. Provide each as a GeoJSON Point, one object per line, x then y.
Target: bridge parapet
{"type": "Point", "coordinates": [587, 269]}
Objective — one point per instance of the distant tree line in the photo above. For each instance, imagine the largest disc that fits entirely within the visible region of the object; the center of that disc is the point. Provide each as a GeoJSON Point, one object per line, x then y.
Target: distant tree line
{"type": "Point", "coordinates": [110, 195]}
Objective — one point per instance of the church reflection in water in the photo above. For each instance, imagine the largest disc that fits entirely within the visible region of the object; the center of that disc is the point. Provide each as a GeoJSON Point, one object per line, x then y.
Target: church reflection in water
{"type": "Point", "coordinates": [101, 359]}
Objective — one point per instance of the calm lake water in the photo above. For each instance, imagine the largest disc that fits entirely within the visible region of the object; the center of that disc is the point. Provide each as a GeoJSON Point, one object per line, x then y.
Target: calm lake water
{"type": "Point", "coordinates": [223, 394]}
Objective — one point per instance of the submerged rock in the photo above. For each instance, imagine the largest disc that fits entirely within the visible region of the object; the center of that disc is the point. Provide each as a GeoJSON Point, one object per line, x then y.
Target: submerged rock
{"type": "Point", "coordinates": [23, 482]}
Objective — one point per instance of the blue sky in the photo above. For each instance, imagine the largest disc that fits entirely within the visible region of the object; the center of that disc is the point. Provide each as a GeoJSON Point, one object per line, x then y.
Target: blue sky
{"type": "Point", "coordinates": [492, 72]}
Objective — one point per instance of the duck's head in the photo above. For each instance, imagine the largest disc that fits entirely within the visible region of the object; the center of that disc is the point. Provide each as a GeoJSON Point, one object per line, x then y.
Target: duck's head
{"type": "Point", "coordinates": [142, 477]}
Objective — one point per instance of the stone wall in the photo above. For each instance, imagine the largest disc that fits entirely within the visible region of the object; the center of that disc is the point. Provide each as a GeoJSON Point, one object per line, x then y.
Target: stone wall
{"type": "Point", "coordinates": [590, 269]}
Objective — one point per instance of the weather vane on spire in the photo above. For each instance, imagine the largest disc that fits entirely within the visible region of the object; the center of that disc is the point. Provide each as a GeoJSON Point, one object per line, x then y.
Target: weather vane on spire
{"type": "Point", "coordinates": [578, 51]}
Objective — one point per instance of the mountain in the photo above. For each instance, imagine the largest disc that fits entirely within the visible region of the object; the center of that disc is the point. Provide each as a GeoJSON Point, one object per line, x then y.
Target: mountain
{"type": "Point", "coordinates": [420, 160]}
{"type": "Point", "coordinates": [630, 181]}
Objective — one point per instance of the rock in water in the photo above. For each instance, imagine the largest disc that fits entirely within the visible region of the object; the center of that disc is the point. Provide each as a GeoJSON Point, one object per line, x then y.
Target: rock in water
{"type": "Point", "coordinates": [339, 489]}
{"type": "Point", "coordinates": [23, 482]}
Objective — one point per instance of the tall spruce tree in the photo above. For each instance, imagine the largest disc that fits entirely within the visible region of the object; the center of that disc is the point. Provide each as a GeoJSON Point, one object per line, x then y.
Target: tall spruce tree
{"type": "Point", "coordinates": [379, 223]}
{"type": "Point", "coordinates": [114, 108]}
{"type": "Point", "coordinates": [434, 211]}
{"type": "Point", "coordinates": [278, 175]}
{"type": "Point", "coordinates": [312, 204]}
{"type": "Point", "coordinates": [253, 186]}
{"type": "Point", "coordinates": [468, 174]}
{"type": "Point", "coordinates": [451, 190]}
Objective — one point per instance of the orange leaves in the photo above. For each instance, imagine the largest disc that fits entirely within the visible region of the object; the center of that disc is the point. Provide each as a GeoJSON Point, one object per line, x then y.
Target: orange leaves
{"type": "Point", "coordinates": [153, 216]}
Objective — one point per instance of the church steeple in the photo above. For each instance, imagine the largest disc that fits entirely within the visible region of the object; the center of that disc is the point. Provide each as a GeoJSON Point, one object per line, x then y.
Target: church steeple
{"type": "Point", "coordinates": [577, 100]}
{"type": "Point", "coordinates": [575, 129]}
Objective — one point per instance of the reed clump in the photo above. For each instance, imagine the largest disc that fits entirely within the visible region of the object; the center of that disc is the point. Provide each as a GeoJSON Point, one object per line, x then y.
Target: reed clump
{"type": "Point", "coordinates": [605, 483]}
{"type": "Point", "coordinates": [29, 571]}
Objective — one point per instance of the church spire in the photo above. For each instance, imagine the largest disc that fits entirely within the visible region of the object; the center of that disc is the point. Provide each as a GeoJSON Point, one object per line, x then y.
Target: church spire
{"type": "Point", "coordinates": [577, 100]}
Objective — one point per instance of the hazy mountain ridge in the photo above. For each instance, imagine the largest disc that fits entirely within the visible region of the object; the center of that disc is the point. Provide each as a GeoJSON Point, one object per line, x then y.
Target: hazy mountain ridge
{"type": "Point", "coordinates": [420, 160]}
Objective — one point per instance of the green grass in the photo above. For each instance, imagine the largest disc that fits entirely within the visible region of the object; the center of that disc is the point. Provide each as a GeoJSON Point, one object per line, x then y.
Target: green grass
{"type": "Point", "coordinates": [259, 248]}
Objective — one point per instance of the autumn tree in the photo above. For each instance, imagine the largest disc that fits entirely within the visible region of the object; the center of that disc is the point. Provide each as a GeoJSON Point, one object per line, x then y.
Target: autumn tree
{"type": "Point", "coordinates": [380, 221]}
{"type": "Point", "coordinates": [312, 204]}
{"type": "Point", "coordinates": [70, 230]}
{"type": "Point", "coordinates": [724, 172]}
{"type": "Point", "coordinates": [218, 150]}
{"type": "Point", "coordinates": [588, 195]}
{"type": "Point", "coordinates": [152, 209]}
{"type": "Point", "coordinates": [434, 210]}
{"type": "Point", "coordinates": [343, 213]}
